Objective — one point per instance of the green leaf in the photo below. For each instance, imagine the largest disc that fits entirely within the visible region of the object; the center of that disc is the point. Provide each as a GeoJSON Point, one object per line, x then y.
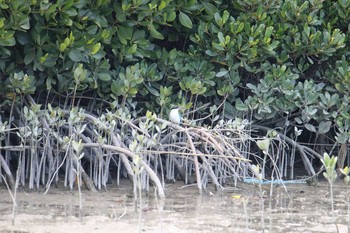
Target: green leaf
{"type": "Point", "coordinates": [95, 48]}
{"type": "Point", "coordinates": [268, 31]}
{"type": "Point", "coordinates": [152, 90]}
{"type": "Point", "coordinates": [124, 34]}
{"type": "Point", "coordinates": [218, 18]}
{"type": "Point", "coordinates": [341, 137]}
{"type": "Point", "coordinates": [264, 145]}
{"type": "Point", "coordinates": [221, 73]}
{"type": "Point", "coordinates": [75, 55]}
{"type": "Point", "coordinates": [62, 47]}
{"type": "Point", "coordinates": [77, 146]}
{"type": "Point", "coordinates": [225, 16]}
{"type": "Point", "coordinates": [104, 77]}
{"type": "Point", "coordinates": [240, 27]}
{"type": "Point", "coordinates": [155, 34]}
{"type": "Point", "coordinates": [43, 59]}
{"type": "Point", "coordinates": [162, 5]}
{"type": "Point", "coordinates": [133, 91]}
{"type": "Point", "coordinates": [24, 23]}
{"type": "Point", "coordinates": [29, 57]}
{"type": "Point", "coordinates": [8, 42]}
{"type": "Point", "coordinates": [138, 35]}
{"type": "Point", "coordinates": [345, 171]}
{"type": "Point", "coordinates": [324, 126]}
{"type": "Point", "coordinates": [23, 38]}
{"type": "Point", "coordinates": [132, 49]}
{"type": "Point", "coordinates": [80, 73]}
{"type": "Point", "coordinates": [116, 88]}
{"type": "Point", "coordinates": [171, 17]}
{"type": "Point", "coordinates": [240, 106]}
{"type": "Point", "coordinates": [185, 20]}
{"type": "Point", "coordinates": [209, 8]}
{"type": "Point", "coordinates": [221, 38]}
{"type": "Point", "coordinates": [325, 175]}
{"type": "Point", "coordinates": [256, 168]}
{"type": "Point", "coordinates": [310, 127]}
{"type": "Point", "coordinates": [211, 53]}
{"type": "Point", "coordinates": [230, 110]}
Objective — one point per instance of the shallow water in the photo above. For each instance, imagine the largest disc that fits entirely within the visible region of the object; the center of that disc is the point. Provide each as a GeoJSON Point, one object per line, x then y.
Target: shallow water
{"type": "Point", "coordinates": [294, 208]}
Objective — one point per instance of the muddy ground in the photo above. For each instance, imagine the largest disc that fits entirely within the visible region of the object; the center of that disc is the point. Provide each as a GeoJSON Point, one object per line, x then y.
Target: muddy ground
{"type": "Point", "coordinates": [294, 208]}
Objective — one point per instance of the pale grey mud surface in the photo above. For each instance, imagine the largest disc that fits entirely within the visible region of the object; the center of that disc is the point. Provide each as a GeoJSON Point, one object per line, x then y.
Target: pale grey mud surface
{"type": "Point", "coordinates": [302, 209]}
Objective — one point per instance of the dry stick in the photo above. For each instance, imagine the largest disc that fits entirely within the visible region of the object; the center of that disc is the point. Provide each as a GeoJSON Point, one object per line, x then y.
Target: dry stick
{"type": "Point", "coordinates": [196, 163]}
{"type": "Point", "coordinates": [182, 170]}
{"type": "Point", "coordinates": [129, 153]}
{"type": "Point", "coordinates": [89, 184]}
{"type": "Point", "coordinates": [195, 154]}
{"type": "Point", "coordinates": [212, 141]}
{"type": "Point", "coordinates": [133, 125]}
{"type": "Point", "coordinates": [307, 164]}
{"type": "Point", "coordinates": [3, 164]}
{"type": "Point", "coordinates": [204, 158]}
{"type": "Point", "coordinates": [211, 173]}
{"type": "Point", "coordinates": [203, 118]}
{"type": "Point", "coordinates": [122, 215]}
{"type": "Point", "coordinates": [179, 167]}
{"type": "Point", "coordinates": [96, 150]}
{"type": "Point", "coordinates": [219, 145]}
{"type": "Point", "coordinates": [13, 197]}
{"type": "Point", "coordinates": [47, 148]}
{"type": "Point", "coordinates": [7, 140]}
{"type": "Point", "coordinates": [11, 179]}
{"type": "Point", "coordinates": [13, 193]}
{"type": "Point", "coordinates": [48, 185]}
{"type": "Point", "coordinates": [197, 109]}
{"type": "Point", "coordinates": [116, 142]}
{"type": "Point", "coordinates": [86, 179]}
{"type": "Point", "coordinates": [235, 151]}
{"type": "Point", "coordinates": [209, 139]}
{"type": "Point", "coordinates": [14, 148]}
{"type": "Point", "coordinates": [46, 151]}
{"type": "Point", "coordinates": [162, 121]}
{"type": "Point", "coordinates": [311, 151]}
{"type": "Point", "coordinates": [228, 162]}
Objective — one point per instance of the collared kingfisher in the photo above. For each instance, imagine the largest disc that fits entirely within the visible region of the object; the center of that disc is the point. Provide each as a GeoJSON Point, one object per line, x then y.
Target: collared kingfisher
{"type": "Point", "coordinates": [175, 116]}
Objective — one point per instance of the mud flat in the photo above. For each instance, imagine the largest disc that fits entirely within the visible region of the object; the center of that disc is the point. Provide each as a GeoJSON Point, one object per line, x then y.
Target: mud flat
{"type": "Point", "coordinates": [301, 209]}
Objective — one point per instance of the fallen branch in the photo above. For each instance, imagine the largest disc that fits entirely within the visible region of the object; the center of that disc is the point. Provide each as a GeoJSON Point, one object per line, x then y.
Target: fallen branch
{"type": "Point", "coordinates": [129, 153]}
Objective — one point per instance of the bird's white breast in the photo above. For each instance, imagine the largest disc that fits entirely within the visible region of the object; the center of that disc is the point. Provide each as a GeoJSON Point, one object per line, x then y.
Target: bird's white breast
{"type": "Point", "coordinates": [174, 116]}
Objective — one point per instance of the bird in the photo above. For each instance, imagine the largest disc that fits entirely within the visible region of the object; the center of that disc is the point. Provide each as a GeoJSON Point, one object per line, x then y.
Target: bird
{"type": "Point", "coordinates": [175, 116]}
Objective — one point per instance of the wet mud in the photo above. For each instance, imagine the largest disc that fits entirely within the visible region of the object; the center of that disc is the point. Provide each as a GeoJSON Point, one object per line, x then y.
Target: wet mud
{"type": "Point", "coordinates": [293, 208]}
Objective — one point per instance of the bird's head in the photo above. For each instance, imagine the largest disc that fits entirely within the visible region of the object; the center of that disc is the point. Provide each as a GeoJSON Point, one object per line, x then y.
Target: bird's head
{"type": "Point", "coordinates": [178, 107]}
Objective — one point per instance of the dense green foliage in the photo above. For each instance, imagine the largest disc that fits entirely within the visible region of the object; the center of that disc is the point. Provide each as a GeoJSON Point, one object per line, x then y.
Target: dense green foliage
{"type": "Point", "coordinates": [279, 63]}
